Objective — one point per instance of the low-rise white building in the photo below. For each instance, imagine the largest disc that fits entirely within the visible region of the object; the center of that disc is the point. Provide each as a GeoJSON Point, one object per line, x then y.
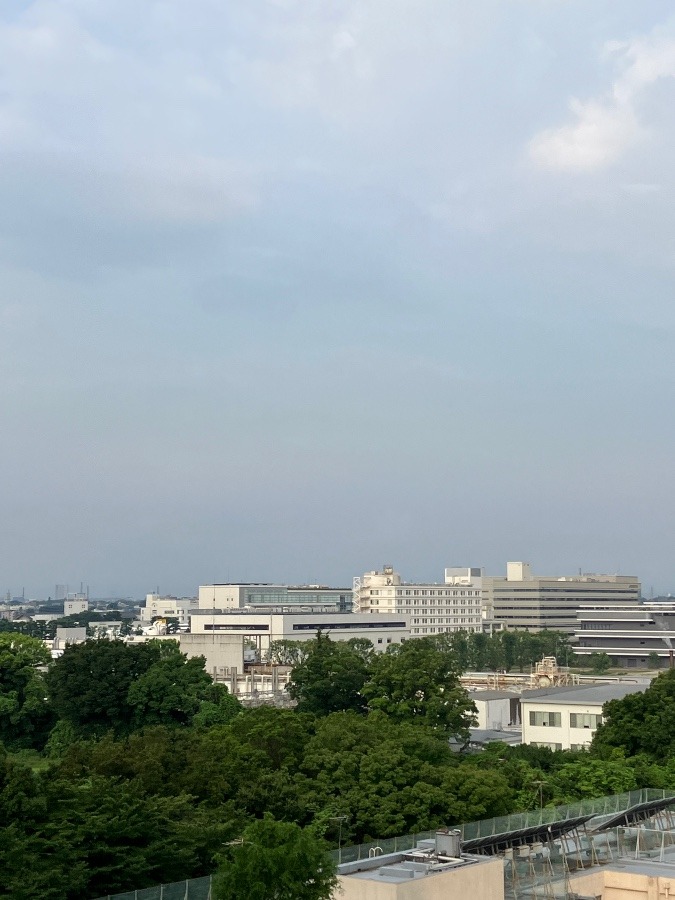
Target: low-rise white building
{"type": "Point", "coordinates": [74, 604]}
{"type": "Point", "coordinates": [566, 718]}
{"type": "Point", "coordinates": [496, 709]}
{"type": "Point", "coordinates": [454, 605]}
{"type": "Point", "coordinates": [168, 608]}
{"type": "Point", "coordinates": [261, 629]}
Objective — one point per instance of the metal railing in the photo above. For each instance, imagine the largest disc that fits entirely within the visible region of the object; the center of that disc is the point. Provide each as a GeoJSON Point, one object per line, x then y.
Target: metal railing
{"type": "Point", "coordinates": [192, 889]}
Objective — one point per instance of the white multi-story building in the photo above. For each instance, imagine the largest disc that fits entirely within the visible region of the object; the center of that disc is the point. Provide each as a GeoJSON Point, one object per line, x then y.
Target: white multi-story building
{"type": "Point", "coordinates": [168, 608]}
{"type": "Point", "coordinates": [262, 628]}
{"type": "Point", "coordinates": [454, 605]}
{"type": "Point", "coordinates": [566, 718]}
{"type": "Point", "coordinates": [75, 603]}
{"type": "Point", "coordinates": [527, 602]}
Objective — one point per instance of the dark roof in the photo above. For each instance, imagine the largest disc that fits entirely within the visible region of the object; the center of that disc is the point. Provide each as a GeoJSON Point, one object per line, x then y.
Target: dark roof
{"type": "Point", "coordinates": [535, 834]}
{"type": "Point", "coordinates": [492, 695]}
{"type": "Point", "coordinates": [638, 813]}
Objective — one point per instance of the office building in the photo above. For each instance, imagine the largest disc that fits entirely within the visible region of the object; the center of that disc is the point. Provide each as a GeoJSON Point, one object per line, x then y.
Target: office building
{"type": "Point", "coordinates": [454, 605]}
{"type": "Point", "coordinates": [566, 718]}
{"type": "Point", "coordinates": [157, 607]}
{"type": "Point", "coordinates": [280, 597]}
{"type": "Point", "coordinates": [260, 629]}
{"type": "Point", "coordinates": [75, 604]}
{"type": "Point", "coordinates": [638, 636]}
{"type": "Point", "coordinates": [527, 602]}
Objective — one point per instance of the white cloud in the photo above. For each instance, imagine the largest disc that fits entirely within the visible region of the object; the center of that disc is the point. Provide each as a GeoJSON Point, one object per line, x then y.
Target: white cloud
{"type": "Point", "coordinates": [605, 128]}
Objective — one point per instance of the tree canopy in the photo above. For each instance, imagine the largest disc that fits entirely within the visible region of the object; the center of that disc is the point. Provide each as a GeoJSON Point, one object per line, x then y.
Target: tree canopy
{"type": "Point", "coordinates": [276, 861]}
{"type": "Point", "coordinates": [418, 681]}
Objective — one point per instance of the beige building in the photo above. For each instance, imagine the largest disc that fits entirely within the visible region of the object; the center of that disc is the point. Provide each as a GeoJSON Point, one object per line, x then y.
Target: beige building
{"type": "Point", "coordinates": [453, 605]}
{"type": "Point", "coordinates": [566, 718]}
{"type": "Point", "coordinates": [527, 602]}
{"type": "Point", "coordinates": [431, 871]}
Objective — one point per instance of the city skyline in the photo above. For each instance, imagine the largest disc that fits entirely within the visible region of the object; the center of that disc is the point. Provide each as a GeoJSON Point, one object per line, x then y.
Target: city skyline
{"type": "Point", "coordinates": [293, 290]}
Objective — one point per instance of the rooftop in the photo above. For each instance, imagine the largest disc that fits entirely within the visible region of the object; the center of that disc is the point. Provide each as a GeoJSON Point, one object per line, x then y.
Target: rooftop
{"type": "Point", "coordinates": [584, 694]}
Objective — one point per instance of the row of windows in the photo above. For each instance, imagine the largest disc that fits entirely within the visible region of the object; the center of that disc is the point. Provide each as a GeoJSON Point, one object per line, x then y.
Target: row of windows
{"type": "Point", "coordinates": [442, 629]}
{"type": "Point", "coordinates": [454, 620]}
{"type": "Point", "coordinates": [554, 719]}
{"type": "Point", "coordinates": [389, 592]}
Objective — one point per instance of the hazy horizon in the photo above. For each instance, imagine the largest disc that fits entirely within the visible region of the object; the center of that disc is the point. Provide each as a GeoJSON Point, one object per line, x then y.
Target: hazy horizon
{"type": "Point", "coordinates": [293, 290]}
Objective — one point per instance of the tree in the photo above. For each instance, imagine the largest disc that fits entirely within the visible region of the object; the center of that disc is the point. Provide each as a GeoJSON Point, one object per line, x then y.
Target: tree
{"type": "Point", "coordinates": [89, 685]}
{"type": "Point", "coordinates": [287, 653]}
{"type": "Point", "coordinates": [600, 662]}
{"type": "Point", "coordinates": [25, 718]}
{"type": "Point", "coordinates": [276, 861]}
{"type": "Point", "coordinates": [170, 691]}
{"type": "Point", "coordinates": [643, 722]}
{"type": "Point", "coordinates": [418, 682]}
{"type": "Point", "coordinates": [217, 707]}
{"type": "Point", "coordinates": [329, 679]}
{"type": "Point", "coordinates": [654, 660]}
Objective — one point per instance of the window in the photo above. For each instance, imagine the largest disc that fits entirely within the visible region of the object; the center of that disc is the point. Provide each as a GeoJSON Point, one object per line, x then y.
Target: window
{"type": "Point", "coordinates": [550, 719]}
{"type": "Point", "coordinates": [547, 744]}
{"type": "Point", "coordinates": [584, 720]}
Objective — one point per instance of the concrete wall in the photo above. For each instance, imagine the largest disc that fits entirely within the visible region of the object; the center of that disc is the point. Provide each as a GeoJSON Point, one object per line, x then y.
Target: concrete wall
{"type": "Point", "coordinates": [617, 884]}
{"type": "Point", "coordinates": [493, 713]}
{"type": "Point", "coordinates": [482, 881]}
{"type": "Point", "coordinates": [221, 650]}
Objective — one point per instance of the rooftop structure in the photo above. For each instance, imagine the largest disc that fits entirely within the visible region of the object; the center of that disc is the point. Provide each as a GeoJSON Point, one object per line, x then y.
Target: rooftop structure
{"type": "Point", "coordinates": [432, 869]}
{"type": "Point", "coordinates": [313, 597]}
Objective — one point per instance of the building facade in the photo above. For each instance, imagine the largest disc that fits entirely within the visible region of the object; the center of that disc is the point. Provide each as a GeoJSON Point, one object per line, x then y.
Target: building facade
{"type": "Point", "coordinates": [566, 718]}
{"type": "Point", "coordinates": [262, 628]}
{"type": "Point", "coordinates": [168, 608]}
{"type": "Point", "coordinates": [274, 596]}
{"type": "Point", "coordinates": [454, 605]}
{"type": "Point", "coordinates": [639, 636]}
{"type": "Point", "coordinates": [527, 602]}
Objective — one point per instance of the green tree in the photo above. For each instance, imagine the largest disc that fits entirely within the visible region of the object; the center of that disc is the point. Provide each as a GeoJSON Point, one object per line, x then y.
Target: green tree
{"type": "Point", "coordinates": [89, 685]}
{"type": "Point", "coordinates": [170, 691]}
{"type": "Point", "coordinates": [276, 861]}
{"type": "Point", "coordinates": [600, 662]}
{"type": "Point", "coordinates": [329, 679]}
{"type": "Point", "coordinates": [654, 660]}
{"type": "Point", "coordinates": [287, 653]}
{"type": "Point", "coordinates": [419, 682]}
{"type": "Point", "coordinates": [25, 717]}
{"type": "Point", "coordinates": [217, 707]}
{"type": "Point", "coordinates": [643, 722]}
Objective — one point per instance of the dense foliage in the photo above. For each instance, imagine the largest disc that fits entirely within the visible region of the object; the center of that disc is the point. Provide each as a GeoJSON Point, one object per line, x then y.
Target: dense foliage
{"type": "Point", "coordinates": [150, 773]}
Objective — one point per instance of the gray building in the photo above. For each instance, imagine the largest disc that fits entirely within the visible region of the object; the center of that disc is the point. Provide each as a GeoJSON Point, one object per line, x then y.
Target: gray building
{"type": "Point", "coordinates": [280, 597]}
{"type": "Point", "coordinates": [527, 602]}
{"type": "Point", "coordinates": [628, 633]}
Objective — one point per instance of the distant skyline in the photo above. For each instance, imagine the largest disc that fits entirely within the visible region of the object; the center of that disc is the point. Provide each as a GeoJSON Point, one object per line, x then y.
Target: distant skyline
{"type": "Point", "coordinates": [291, 290]}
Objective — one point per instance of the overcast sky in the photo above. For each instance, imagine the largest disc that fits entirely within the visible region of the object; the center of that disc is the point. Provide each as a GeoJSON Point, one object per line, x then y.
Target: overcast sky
{"type": "Point", "coordinates": [294, 288]}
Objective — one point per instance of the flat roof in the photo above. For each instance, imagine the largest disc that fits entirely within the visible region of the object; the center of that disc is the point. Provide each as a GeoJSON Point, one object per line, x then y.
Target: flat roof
{"type": "Point", "coordinates": [492, 695]}
{"type": "Point", "coordinates": [584, 694]}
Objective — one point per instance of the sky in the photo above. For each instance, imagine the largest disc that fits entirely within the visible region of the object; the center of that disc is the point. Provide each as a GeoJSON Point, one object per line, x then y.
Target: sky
{"type": "Point", "coordinates": [292, 289]}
